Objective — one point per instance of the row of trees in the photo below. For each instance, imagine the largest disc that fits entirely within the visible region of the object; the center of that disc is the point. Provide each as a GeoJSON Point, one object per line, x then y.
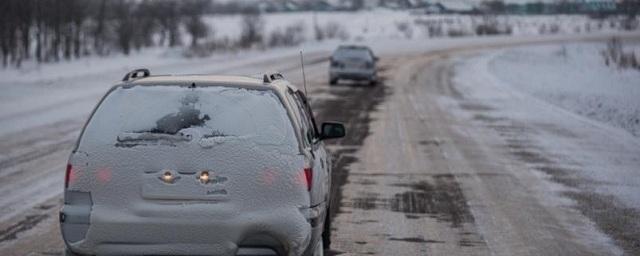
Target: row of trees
{"type": "Point", "coordinates": [50, 30]}
{"type": "Point", "coordinates": [630, 8]}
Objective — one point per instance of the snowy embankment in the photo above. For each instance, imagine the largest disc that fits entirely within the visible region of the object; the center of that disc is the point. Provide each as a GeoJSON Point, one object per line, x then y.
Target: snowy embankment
{"type": "Point", "coordinates": [566, 118]}
{"type": "Point", "coordinates": [575, 78]}
{"type": "Point", "coordinates": [564, 104]}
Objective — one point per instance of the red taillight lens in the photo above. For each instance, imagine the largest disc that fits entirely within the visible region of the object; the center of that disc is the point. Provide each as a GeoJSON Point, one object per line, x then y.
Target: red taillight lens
{"type": "Point", "coordinates": [308, 174]}
{"type": "Point", "coordinates": [68, 175]}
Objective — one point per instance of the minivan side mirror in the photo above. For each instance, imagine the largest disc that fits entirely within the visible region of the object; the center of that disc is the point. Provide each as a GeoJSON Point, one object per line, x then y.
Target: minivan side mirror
{"type": "Point", "coordinates": [376, 58]}
{"type": "Point", "coordinates": [332, 130]}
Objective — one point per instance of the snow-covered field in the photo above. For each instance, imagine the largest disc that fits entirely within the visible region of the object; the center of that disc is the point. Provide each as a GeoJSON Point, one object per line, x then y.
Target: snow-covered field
{"type": "Point", "coordinates": [383, 23]}
{"type": "Point", "coordinates": [565, 102]}
{"type": "Point", "coordinates": [575, 78]}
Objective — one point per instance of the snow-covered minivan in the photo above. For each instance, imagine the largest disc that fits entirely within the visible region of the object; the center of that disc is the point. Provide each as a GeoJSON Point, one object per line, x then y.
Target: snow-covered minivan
{"type": "Point", "coordinates": [199, 165]}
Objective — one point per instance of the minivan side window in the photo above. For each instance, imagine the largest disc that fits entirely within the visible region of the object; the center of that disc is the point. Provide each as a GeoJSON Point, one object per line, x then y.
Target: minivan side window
{"type": "Point", "coordinates": [299, 118]}
{"type": "Point", "coordinates": [309, 113]}
{"type": "Point", "coordinates": [308, 132]}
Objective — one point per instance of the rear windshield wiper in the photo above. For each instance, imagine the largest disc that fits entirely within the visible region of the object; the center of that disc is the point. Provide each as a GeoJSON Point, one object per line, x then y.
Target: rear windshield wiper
{"type": "Point", "coordinates": [131, 139]}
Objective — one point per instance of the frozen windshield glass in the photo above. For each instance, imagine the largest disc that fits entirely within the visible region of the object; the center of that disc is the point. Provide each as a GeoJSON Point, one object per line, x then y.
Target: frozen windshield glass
{"type": "Point", "coordinates": [170, 115]}
{"type": "Point", "coordinates": [352, 53]}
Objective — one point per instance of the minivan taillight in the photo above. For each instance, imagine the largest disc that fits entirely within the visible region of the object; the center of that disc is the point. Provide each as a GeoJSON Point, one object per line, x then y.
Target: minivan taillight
{"type": "Point", "coordinates": [67, 175]}
{"type": "Point", "coordinates": [308, 174]}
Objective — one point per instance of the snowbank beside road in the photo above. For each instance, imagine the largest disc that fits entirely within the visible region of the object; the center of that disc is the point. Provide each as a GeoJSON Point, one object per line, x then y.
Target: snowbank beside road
{"type": "Point", "coordinates": [575, 78]}
{"type": "Point", "coordinates": [570, 114]}
{"type": "Point", "coordinates": [564, 120]}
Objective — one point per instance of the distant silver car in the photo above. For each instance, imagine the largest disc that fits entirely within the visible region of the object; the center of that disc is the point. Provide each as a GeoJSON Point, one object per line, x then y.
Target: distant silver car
{"type": "Point", "coordinates": [353, 63]}
{"type": "Point", "coordinates": [199, 165]}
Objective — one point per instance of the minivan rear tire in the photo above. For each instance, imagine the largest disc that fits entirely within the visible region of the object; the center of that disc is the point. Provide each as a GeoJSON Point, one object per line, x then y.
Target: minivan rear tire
{"type": "Point", "coordinates": [326, 233]}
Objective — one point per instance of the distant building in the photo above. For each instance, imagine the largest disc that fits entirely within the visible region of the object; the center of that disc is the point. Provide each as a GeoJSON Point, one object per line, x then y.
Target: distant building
{"type": "Point", "coordinates": [278, 6]}
{"type": "Point", "coordinates": [293, 5]}
{"type": "Point", "coordinates": [513, 8]}
{"type": "Point", "coordinates": [418, 3]}
{"type": "Point", "coordinates": [322, 6]}
{"type": "Point", "coordinates": [535, 8]}
{"type": "Point", "coordinates": [457, 6]}
{"type": "Point", "coordinates": [599, 6]}
{"type": "Point", "coordinates": [434, 8]}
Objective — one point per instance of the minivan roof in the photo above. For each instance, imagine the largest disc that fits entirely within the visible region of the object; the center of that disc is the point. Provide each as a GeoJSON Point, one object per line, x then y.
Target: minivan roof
{"type": "Point", "coordinates": [200, 78]}
{"type": "Point", "coordinates": [280, 85]}
{"type": "Point", "coordinates": [353, 47]}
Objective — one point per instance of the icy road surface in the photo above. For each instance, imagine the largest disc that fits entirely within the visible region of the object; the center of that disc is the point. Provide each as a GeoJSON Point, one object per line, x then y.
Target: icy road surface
{"type": "Point", "coordinates": [442, 158]}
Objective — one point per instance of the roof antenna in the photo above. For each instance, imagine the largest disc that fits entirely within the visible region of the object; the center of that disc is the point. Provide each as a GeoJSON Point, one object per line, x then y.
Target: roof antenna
{"type": "Point", "coordinates": [304, 77]}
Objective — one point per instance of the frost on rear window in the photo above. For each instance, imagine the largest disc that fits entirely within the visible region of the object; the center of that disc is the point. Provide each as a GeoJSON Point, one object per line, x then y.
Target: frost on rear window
{"type": "Point", "coordinates": [186, 116]}
{"type": "Point", "coordinates": [172, 115]}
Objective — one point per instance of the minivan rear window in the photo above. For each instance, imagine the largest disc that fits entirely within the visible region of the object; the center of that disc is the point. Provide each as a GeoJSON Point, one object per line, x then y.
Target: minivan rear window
{"type": "Point", "coordinates": [171, 115]}
{"type": "Point", "coordinates": [352, 53]}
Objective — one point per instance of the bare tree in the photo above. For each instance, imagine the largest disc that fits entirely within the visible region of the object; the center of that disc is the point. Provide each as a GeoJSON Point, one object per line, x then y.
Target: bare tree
{"type": "Point", "coordinates": [630, 8]}
{"type": "Point", "coordinates": [124, 25]}
{"type": "Point", "coordinates": [24, 14]}
{"type": "Point", "coordinates": [78, 18]}
{"type": "Point", "coordinates": [169, 19]}
{"type": "Point", "coordinates": [99, 29]}
{"type": "Point", "coordinates": [252, 29]}
{"type": "Point", "coordinates": [54, 29]}
{"type": "Point", "coordinates": [67, 26]}
{"type": "Point", "coordinates": [494, 6]}
{"type": "Point", "coordinates": [194, 25]}
{"type": "Point", "coordinates": [4, 32]}
{"type": "Point", "coordinates": [357, 4]}
{"type": "Point", "coordinates": [145, 25]}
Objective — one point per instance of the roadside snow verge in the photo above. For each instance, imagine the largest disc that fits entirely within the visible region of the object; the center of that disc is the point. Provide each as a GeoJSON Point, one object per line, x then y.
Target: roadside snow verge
{"type": "Point", "coordinates": [574, 77]}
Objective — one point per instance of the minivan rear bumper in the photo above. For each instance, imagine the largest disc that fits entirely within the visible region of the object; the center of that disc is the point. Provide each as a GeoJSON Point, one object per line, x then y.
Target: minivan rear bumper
{"type": "Point", "coordinates": [286, 231]}
{"type": "Point", "coordinates": [353, 74]}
